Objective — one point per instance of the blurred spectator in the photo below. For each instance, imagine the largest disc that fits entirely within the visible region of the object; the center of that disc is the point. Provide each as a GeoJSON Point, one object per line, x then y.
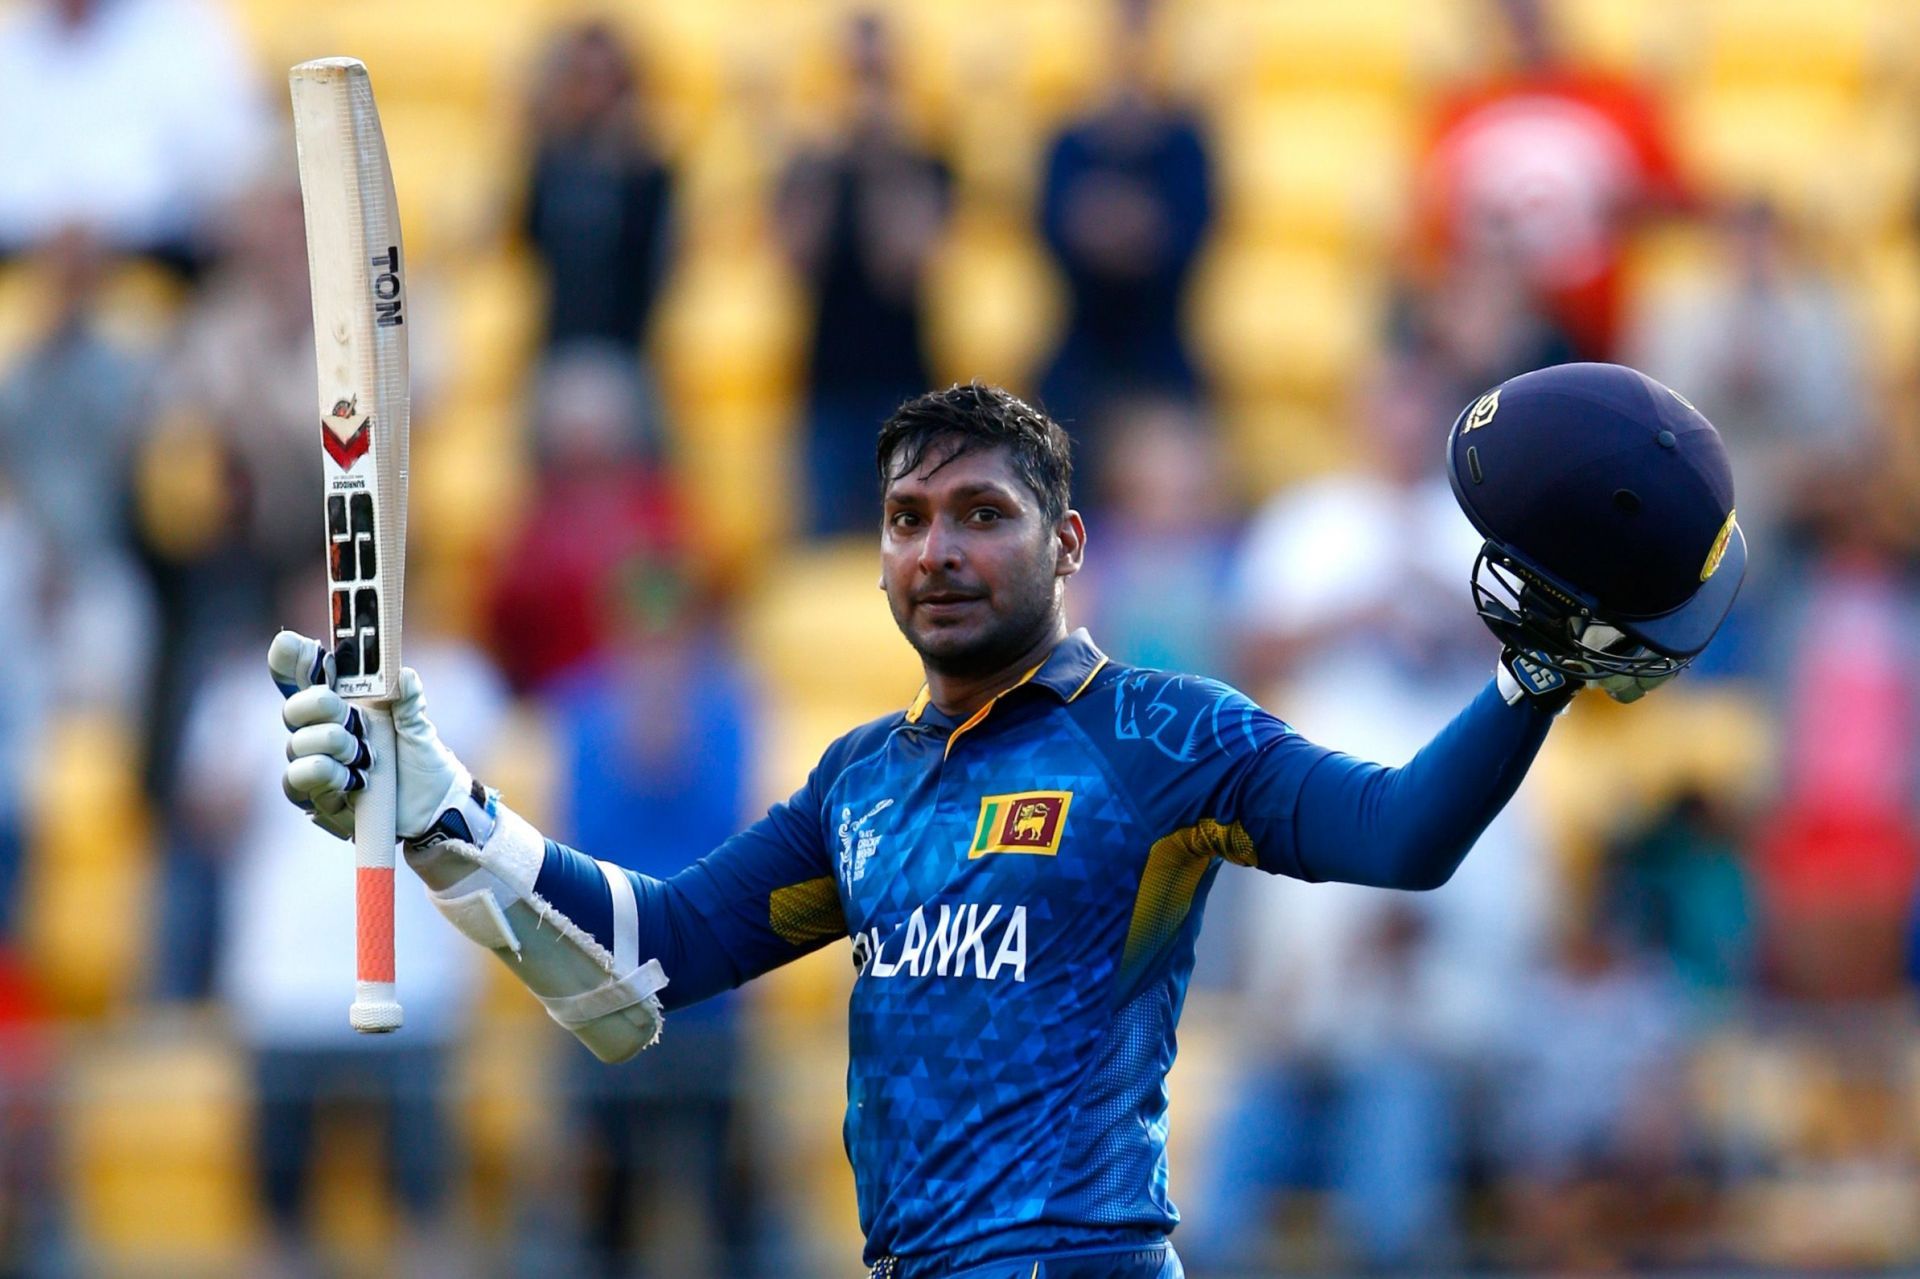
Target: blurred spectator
{"type": "Point", "coordinates": [1480, 325]}
{"type": "Point", "coordinates": [133, 117]}
{"type": "Point", "coordinates": [599, 205]}
{"type": "Point", "coordinates": [1365, 1013]}
{"type": "Point", "coordinates": [1768, 348]}
{"type": "Point", "coordinates": [32, 1225]}
{"type": "Point", "coordinates": [226, 499]}
{"type": "Point", "coordinates": [656, 753]}
{"type": "Point", "coordinates": [70, 412]}
{"type": "Point", "coordinates": [1840, 847]}
{"type": "Point", "coordinates": [227, 478]}
{"type": "Point", "coordinates": [1154, 592]}
{"type": "Point", "coordinates": [1590, 1096]}
{"type": "Point", "coordinates": [604, 511]}
{"type": "Point", "coordinates": [1367, 568]}
{"type": "Point", "coordinates": [1550, 163]}
{"type": "Point", "coordinates": [25, 699]}
{"type": "Point", "coordinates": [1678, 886]}
{"type": "Point", "coordinates": [286, 954]}
{"type": "Point", "coordinates": [860, 220]}
{"type": "Point", "coordinates": [1126, 202]}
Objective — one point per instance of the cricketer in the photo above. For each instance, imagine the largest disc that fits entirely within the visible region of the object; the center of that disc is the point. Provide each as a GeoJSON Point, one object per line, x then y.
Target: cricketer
{"type": "Point", "coordinates": [1021, 856]}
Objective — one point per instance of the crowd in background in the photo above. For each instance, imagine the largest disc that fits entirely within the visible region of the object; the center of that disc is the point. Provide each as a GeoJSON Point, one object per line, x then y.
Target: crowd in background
{"type": "Point", "coordinates": [1658, 1020]}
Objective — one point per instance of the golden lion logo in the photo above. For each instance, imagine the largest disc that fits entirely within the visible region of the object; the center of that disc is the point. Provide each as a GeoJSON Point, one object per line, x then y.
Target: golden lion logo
{"type": "Point", "coordinates": [1030, 821]}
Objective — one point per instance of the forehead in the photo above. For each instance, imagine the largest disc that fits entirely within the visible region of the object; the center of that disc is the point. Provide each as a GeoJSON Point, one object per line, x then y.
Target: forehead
{"type": "Point", "coordinates": [940, 473]}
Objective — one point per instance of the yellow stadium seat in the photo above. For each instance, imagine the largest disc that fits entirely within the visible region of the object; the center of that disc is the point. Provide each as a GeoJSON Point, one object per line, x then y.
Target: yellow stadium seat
{"type": "Point", "coordinates": [994, 301]}
{"type": "Point", "coordinates": [1270, 320]}
{"type": "Point", "coordinates": [818, 632]}
{"type": "Point", "coordinates": [1326, 167]}
{"type": "Point", "coordinates": [1794, 145]}
{"type": "Point", "coordinates": [1605, 762]}
{"type": "Point", "coordinates": [736, 455]}
{"type": "Point", "coordinates": [88, 897]}
{"type": "Point", "coordinates": [1273, 444]}
{"type": "Point", "coordinates": [158, 1149]}
{"type": "Point", "coordinates": [1807, 42]}
{"type": "Point", "coordinates": [456, 173]}
{"type": "Point", "coordinates": [731, 323]}
{"type": "Point", "coordinates": [1886, 283]}
{"type": "Point", "coordinates": [1628, 36]}
{"type": "Point", "coordinates": [494, 307]}
{"type": "Point", "coordinates": [1386, 45]}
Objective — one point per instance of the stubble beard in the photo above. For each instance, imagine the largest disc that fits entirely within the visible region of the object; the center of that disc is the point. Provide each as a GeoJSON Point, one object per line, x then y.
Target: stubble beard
{"type": "Point", "coordinates": [1003, 638]}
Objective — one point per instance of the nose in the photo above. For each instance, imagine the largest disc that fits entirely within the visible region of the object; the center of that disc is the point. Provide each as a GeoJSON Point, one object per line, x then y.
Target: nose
{"type": "Point", "coordinates": [940, 548]}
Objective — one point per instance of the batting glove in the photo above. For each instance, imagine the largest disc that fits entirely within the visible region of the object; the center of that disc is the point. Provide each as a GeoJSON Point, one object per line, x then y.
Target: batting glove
{"type": "Point", "coordinates": [327, 755]}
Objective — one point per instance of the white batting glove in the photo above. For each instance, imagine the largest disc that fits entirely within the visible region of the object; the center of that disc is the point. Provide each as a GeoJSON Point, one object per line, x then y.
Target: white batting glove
{"type": "Point", "coordinates": [327, 756]}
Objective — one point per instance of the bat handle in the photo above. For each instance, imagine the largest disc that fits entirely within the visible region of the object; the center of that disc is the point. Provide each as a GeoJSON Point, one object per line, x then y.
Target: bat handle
{"type": "Point", "coordinates": [376, 1007]}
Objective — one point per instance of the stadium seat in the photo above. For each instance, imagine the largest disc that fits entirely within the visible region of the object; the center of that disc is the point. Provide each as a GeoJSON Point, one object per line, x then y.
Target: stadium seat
{"type": "Point", "coordinates": [1792, 144]}
{"type": "Point", "coordinates": [1268, 320]}
{"type": "Point", "coordinates": [994, 302]}
{"type": "Point", "coordinates": [1885, 275]}
{"type": "Point", "coordinates": [1605, 761]}
{"type": "Point", "coordinates": [731, 321]}
{"type": "Point", "coordinates": [1386, 45]}
{"type": "Point", "coordinates": [818, 633]}
{"type": "Point", "coordinates": [1327, 168]}
{"type": "Point", "coordinates": [494, 306]}
{"type": "Point", "coordinates": [1633, 37]}
{"type": "Point", "coordinates": [88, 895]}
{"type": "Point", "coordinates": [158, 1148]}
{"type": "Point", "coordinates": [737, 453]}
{"type": "Point", "coordinates": [1276, 442]}
{"type": "Point", "coordinates": [1807, 42]}
{"type": "Point", "coordinates": [455, 172]}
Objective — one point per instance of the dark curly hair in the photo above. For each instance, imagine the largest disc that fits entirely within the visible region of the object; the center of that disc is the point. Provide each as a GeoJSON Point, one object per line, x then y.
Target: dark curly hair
{"type": "Point", "coordinates": [968, 417]}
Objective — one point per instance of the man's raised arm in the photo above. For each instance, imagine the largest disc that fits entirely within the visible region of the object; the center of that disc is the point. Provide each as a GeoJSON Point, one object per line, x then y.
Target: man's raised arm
{"type": "Point", "coordinates": [604, 949]}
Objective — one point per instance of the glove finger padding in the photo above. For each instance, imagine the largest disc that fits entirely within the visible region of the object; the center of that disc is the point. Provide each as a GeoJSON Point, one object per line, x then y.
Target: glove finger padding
{"type": "Point", "coordinates": [296, 661]}
{"type": "Point", "coordinates": [319, 786]}
{"type": "Point", "coordinates": [336, 741]}
{"type": "Point", "coordinates": [318, 705]}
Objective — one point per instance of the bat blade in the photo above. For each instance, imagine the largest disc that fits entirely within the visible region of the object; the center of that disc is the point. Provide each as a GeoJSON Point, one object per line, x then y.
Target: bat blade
{"type": "Point", "coordinates": [358, 270]}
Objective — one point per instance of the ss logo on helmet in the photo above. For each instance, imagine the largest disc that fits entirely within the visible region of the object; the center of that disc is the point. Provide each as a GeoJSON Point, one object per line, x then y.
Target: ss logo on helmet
{"type": "Point", "coordinates": [1483, 410]}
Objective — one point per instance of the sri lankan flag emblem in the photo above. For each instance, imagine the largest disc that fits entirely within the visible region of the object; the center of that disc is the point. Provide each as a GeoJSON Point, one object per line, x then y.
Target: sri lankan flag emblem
{"type": "Point", "coordinates": [1030, 822]}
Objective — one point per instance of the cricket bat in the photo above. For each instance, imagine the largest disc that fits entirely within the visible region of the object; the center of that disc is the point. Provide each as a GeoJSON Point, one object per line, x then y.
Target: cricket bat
{"type": "Point", "coordinates": [360, 340]}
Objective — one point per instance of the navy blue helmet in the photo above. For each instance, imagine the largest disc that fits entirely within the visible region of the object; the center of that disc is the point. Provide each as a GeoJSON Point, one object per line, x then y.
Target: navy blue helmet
{"type": "Point", "coordinates": [1606, 502]}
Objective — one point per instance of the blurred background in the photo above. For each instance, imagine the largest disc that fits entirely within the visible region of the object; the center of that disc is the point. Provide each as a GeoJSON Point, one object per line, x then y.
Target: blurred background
{"type": "Point", "coordinates": [672, 263]}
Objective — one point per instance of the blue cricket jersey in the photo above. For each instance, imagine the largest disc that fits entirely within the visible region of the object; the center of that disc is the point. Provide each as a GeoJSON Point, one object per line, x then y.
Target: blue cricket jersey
{"type": "Point", "coordinates": [1023, 889]}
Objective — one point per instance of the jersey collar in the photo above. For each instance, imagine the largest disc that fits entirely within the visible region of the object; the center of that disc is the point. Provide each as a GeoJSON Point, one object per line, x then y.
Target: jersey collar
{"type": "Point", "coordinates": [1066, 673]}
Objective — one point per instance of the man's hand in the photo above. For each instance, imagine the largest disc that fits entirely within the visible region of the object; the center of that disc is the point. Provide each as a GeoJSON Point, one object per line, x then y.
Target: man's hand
{"type": "Point", "coordinates": [327, 756]}
{"type": "Point", "coordinates": [1524, 676]}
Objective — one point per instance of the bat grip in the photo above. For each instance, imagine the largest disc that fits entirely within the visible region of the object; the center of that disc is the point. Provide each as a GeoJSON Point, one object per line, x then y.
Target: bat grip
{"type": "Point", "coordinates": [376, 1007]}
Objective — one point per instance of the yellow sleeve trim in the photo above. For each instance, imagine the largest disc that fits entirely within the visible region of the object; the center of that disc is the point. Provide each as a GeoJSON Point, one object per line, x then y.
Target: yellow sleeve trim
{"type": "Point", "coordinates": [807, 912]}
{"type": "Point", "coordinates": [1175, 865]}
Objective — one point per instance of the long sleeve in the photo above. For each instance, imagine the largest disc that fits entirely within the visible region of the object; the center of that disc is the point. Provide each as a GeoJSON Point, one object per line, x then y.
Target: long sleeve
{"type": "Point", "coordinates": [1410, 827]}
{"type": "Point", "coordinates": [762, 899]}
{"type": "Point", "coordinates": [1201, 756]}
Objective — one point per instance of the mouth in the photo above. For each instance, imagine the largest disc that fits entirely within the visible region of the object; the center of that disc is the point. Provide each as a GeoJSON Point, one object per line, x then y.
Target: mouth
{"type": "Point", "coordinates": [946, 603]}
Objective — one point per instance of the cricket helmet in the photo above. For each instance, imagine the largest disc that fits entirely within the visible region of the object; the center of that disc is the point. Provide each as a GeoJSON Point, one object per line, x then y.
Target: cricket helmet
{"type": "Point", "coordinates": [1606, 502]}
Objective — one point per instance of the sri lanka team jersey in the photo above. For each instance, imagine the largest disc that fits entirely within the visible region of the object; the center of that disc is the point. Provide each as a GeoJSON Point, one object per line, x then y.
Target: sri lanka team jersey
{"type": "Point", "coordinates": [1023, 889]}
